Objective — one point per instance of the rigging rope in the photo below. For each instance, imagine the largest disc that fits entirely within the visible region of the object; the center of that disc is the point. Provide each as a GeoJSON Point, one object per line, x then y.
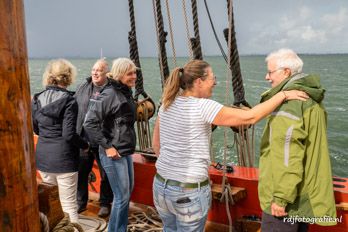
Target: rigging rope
{"type": "Point", "coordinates": [241, 138]}
{"type": "Point", "coordinates": [225, 185]}
{"type": "Point", "coordinates": [162, 41]}
{"type": "Point", "coordinates": [158, 41]}
{"type": "Point", "coordinates": [196, 41]}
{"type": "Point", "coordinates": [171, 33]}
{"type": "Point", "coordinates": [145, 107]}
{"type": "Point", "coordinates": [187, 29]}
{"type": "Point", "coordinates": [214, 31]}
{"type": "Point", "coordinates": [134, 53]}
{"type": "Point", "coordinates": [245, 150]}
{"type": "Point", "coordinates": [233, 61]}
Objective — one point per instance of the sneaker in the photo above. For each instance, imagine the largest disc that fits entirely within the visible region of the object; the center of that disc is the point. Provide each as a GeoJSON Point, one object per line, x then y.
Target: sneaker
{"type": "Point", "coordinates": [104, 211]}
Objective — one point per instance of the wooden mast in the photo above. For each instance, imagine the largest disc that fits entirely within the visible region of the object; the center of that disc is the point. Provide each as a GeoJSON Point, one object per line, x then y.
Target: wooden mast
{"type": "Point", "coordinates": [18, 188]}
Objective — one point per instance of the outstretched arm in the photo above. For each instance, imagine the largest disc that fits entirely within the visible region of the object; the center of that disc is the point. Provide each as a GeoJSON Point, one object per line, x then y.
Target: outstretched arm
{"type": "Point", "coordinates": [228, 116]}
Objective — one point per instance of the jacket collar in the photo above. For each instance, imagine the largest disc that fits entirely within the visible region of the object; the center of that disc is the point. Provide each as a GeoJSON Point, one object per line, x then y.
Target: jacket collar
{"type": "Point", "coordinates": [117, 85]}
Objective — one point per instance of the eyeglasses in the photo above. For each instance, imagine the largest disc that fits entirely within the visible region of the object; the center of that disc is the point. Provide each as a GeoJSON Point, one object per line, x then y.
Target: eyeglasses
{"type": "Point", "coordinates": [269, 73]}
{"type": "Point", "coordinates": [211, 78]}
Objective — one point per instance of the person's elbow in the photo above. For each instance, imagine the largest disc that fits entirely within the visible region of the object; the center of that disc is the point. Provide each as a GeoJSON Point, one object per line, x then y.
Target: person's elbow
{"type": "Point", "coordinates": [235, 117]}
{"type": "Point", "coordinates": [251, 119]}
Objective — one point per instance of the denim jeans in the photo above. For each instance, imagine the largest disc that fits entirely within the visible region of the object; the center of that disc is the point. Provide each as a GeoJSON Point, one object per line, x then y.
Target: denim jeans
{"type": "Point", "coordinates": [121, 178]}
{"type": "Point", "coordinates": [85, 167]}
{"type": "Point", "coordinates": [181, 209]}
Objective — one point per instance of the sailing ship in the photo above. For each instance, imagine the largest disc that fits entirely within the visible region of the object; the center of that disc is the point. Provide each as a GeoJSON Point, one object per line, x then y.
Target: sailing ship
{"type": "Point", "coordinates": [234, 189]}
{"type": "Point", "coordinates": [235, 194]}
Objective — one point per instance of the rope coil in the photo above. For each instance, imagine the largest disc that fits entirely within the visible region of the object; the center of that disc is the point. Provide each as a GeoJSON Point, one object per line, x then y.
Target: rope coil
{"type": "Point", "coordinates": [66, 226]}
{"type": "Point", "coordinates": [145, 221]}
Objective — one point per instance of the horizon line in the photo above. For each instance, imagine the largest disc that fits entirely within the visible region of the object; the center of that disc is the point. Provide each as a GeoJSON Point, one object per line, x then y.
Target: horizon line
{"type": "Point", "coordinates": [249, 54]}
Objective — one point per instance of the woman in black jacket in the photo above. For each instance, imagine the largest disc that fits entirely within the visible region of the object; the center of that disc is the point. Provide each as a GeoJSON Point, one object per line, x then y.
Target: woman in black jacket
{"type": "Point", "coordinates": [54, 114]}
{"type": "Point", "coordinates": [110, 123]}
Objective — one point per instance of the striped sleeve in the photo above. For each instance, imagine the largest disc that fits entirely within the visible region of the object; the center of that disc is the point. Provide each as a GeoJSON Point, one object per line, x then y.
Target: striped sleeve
{"type": "Point", "coordinates": [209, 109]}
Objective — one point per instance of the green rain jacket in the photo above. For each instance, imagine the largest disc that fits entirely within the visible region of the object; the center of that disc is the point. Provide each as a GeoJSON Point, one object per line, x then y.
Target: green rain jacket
{"type": "Point", "coordinates": [295, 168]}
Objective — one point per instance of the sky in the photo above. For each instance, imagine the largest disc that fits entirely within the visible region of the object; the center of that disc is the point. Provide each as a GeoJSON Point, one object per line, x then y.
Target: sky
{"type": "Point", "coordinates": [84, 28]}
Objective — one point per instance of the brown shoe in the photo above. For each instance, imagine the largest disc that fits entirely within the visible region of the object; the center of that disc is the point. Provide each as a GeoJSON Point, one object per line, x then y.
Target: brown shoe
{"type": "Point", "coordinates": [104, 211]}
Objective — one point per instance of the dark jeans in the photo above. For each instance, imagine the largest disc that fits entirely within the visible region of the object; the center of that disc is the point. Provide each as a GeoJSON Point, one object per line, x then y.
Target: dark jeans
{"type": "Point", "coordinates": [271, 223]}
{"type": "Point", "coordinates": [85, 167]}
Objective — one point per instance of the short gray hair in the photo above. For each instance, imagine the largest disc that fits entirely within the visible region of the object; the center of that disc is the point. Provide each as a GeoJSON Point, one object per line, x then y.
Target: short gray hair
{"type": "Point", "coordinates": [286, 58]}
{"type": "Point", "coordinates": [104, 64]}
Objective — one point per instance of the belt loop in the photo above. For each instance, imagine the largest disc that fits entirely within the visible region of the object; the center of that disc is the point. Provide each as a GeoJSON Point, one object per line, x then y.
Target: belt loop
{"type": "Point", "coordinates": [165, 183]}
{"type": "Point", "coordinates": [199, 186]}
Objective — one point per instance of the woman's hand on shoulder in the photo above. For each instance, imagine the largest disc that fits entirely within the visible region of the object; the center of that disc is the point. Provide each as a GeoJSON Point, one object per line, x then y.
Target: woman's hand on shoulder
{"type": "Point", "coordinates": [295, 95]}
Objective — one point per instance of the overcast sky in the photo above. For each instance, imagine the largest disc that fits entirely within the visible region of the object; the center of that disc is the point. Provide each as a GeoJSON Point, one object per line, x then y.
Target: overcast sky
{"type": "Point", "coordinates": [81, 28]}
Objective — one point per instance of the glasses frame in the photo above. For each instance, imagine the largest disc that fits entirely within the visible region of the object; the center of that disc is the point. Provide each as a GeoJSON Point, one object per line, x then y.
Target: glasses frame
{"type": "Point", "coordinates": [269, 73]}
{"type": "Point", "coordinates": [209, 78]}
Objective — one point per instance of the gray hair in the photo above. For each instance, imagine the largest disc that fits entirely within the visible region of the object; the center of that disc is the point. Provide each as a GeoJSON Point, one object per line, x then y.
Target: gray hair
{"type": "Point", "coordinates": [286, 58]}
{"type": "Point", "coordinates": [104, 64]}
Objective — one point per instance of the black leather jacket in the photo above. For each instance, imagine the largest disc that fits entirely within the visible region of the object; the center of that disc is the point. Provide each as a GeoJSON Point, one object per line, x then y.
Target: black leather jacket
{"type": "Point", "coordinates": [110, 119]}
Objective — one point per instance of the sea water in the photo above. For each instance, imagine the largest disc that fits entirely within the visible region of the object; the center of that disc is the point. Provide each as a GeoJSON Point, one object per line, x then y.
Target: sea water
{"type": "Point", "coordinates": [333, 70]}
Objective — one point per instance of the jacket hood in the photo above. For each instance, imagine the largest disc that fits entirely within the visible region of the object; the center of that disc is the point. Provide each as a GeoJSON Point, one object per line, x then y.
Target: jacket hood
{"type": "Point", "coordinates": [52, 94]}
{"type": "Point", "coordinates": [307, 83]}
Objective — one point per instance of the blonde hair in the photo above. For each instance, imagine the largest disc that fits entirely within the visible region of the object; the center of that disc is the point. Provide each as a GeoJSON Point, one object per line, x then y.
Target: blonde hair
{"type": "Point", "coordinates": [120, 67]}
{"type": "Point", "coordinates": [183, 78]}
{"type": "Point", "coordinates": [59, 72]}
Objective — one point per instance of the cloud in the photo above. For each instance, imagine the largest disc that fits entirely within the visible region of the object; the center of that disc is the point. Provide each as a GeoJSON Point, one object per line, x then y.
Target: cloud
{"type": "Point", "coordinates": [305, 26]}
{"type": "Point", "coordinates": [336, 23]}
{"type": "Point", "coordinates": [305, 30]}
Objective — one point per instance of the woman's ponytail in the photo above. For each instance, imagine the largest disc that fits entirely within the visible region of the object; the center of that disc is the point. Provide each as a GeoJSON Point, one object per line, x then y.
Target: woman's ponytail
{"type": "Point", "coordinates": [171, 87]}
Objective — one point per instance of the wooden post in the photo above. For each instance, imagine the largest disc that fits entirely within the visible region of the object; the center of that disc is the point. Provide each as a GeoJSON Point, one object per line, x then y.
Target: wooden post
{"type": "Point", "coordinates": [18, 188]}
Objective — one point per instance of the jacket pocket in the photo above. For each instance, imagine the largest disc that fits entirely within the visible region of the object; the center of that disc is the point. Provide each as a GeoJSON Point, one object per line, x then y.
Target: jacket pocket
{"type": "Point", "coordinates": [125, 139]}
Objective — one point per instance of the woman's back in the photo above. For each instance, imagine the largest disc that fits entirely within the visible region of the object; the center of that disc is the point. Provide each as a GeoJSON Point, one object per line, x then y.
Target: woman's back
{"type": "Point", "coordinates": [185, 129]}
{"type": "Point", "coordinates": [54, 120]}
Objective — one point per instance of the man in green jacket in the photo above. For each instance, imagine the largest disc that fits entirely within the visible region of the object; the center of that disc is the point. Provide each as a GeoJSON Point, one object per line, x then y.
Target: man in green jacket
{"type": "Point", "coordinates": [295, 181]}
